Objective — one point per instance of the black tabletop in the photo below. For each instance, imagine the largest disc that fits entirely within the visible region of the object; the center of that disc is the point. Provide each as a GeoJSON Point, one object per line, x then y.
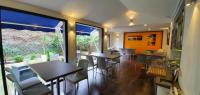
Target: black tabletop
{"type": "Point", "coordinates": [51, 71]}
{"type": "Point", "coordinates": [104, 55]}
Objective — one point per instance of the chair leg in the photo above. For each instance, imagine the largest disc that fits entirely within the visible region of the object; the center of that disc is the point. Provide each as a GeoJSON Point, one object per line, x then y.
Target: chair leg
{"type": "Point", "coordinates": [15, 92]}
{"type": "Point", "coordinates": [52, 89]}
{"type": "Point", "coordinates": [96, 73]}
{"type": "Point", "coordinates": [88, 85]}
{"type": "Point", "coordinates": [64, 85]}
{"type": "Point", "coordinates": [104, 76]}
{"type": "Point", "coordinates": [93, 72]}
{"type": "Point", "coordinates": [135, 66]}
{"type": "Point", "coordinates": [77, 86]}
{"type": "Point", "coordinates": [75, 89]}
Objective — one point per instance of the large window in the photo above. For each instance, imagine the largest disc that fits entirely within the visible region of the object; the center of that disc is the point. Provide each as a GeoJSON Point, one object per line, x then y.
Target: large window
{"type": "Point", "coordinates": [30, 39]}
{"type": "Point", "coordinates": [88, 39]}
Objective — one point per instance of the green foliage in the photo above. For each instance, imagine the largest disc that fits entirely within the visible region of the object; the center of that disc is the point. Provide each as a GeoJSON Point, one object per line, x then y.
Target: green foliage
{"type": "Point", "coordinates": [10, 51]}
{"type": "Point", "coordinates": [33, 56]}
{"type": "Point", "coordinates": [83, 42]}
{"type": "Point", "coordinates": [54, 45]}
{"type": "Point", "coordinates": [19, 58]}
{"type": "Point", "coordinates": [48, 55]}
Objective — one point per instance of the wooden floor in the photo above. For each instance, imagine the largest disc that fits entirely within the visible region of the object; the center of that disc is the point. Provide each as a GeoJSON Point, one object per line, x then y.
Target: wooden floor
{"type": "Point", "coordinates": [127, 81]}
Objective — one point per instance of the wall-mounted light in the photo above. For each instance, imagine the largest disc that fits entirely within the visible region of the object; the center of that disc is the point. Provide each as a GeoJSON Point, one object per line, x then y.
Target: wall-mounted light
{"type": "Point", "coordinates": [149, 29]}
{"type": "Point", "coordinates": [190, 2]}
{"type": "Point", "coordinates": [131, 22]}
{"type": "Point", "coordinates": [117, 35]}
{"type": "Point", "coordinates": [131, 15]}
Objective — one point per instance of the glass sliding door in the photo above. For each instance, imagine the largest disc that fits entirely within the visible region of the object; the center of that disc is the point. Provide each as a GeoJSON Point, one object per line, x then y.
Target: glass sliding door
{"type": "Point", "coordinates": [88, 39]}
{"type": "Point", "coordinates": [30, 39]}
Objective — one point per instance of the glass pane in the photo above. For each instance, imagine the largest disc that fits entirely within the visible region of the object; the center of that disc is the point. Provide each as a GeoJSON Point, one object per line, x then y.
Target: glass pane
{"type": "Point", "coordinates": [87, 39]}
{"type": "Point", "coordinates": [1, 83]}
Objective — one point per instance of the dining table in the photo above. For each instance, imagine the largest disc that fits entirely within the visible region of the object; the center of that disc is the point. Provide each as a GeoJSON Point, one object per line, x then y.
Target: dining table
{"type": "Point", "coordinates": [50, 71]}
{"type": "Point", "coordinates": [105, 55]}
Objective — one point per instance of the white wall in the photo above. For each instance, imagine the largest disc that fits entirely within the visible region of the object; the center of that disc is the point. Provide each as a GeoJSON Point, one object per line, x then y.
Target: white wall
{"type": "Point", "coordinates": [164, 41]}
{"type": "Point", "coordinates": [190, 58]}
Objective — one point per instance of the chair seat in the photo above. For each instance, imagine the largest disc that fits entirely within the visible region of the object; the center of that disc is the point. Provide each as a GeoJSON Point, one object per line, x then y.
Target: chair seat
{"type": "Point", "coordinates": [113, 61]}
{"type": "Point", "coordinates": [38, 89]}
{"type": "Point", "coordinates": [29, 82]}
{"type": "Point", "coordinates": [163, 83]}
{"type": "Point", "coordinates": [75, 78]}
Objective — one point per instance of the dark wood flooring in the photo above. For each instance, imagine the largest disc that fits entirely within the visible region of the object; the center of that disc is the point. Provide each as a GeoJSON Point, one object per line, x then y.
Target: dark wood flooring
{"type": "Point", "coordinates": [126, 81]}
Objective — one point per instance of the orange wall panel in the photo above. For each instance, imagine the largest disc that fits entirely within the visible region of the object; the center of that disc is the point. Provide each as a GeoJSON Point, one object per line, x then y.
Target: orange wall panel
{"type": "Point", "coordinates": [141, 45]}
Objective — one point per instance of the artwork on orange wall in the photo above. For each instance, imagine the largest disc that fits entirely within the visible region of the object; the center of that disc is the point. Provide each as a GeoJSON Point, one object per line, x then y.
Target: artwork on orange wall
{"type": "Point", "coordinates": [151, 40]}
{"type": "Point", "coordinates": [139, 38]}
{"type": "Point", "coordinates": [143, 40]}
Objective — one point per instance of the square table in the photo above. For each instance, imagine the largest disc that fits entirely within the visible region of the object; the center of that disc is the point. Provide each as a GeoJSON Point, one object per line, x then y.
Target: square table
{"type": "Point", "coordinates": [54, 71]}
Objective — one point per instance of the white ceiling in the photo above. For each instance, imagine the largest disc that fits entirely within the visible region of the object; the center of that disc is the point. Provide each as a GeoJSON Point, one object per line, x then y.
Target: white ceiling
{"type": "Point", "coordinates": [113, 12]}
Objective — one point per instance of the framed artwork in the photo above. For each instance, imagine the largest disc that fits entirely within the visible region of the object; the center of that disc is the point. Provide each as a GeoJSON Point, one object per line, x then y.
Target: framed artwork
{"type": "Point", "coordinates": [134, 38]}
{"type": "Point", "coordinates": [151, 40]}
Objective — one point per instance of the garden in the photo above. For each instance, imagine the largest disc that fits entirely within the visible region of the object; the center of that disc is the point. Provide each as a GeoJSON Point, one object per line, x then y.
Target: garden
{"type": "Point", "coordinates": [31, 46]}
{"type": "Point", "coordinates": [88, 43]}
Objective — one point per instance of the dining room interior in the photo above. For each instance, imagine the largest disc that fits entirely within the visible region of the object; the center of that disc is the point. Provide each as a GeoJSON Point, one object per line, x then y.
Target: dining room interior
{"type": "Point", "coordinates": [99, 47]}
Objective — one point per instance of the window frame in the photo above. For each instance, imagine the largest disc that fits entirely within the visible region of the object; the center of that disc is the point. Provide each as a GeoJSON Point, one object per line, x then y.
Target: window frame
{"type": "Point", "coordinates": [35, 14]}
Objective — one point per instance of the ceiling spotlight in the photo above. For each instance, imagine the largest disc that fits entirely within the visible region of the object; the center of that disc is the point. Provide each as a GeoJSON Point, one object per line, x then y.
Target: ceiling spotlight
{"type": "Point", "coordinates": [145, 25]}
{"type": "Point", "coordinates": [131, 22]}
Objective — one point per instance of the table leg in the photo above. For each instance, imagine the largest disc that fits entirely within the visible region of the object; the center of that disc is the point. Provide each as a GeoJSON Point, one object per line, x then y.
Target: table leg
{"type": "Point", "coordinates": [64, 85]}
{"type": "Point", "coordinates": [58, 86]}
{"type": "Point", "coordinates": [52, 90]}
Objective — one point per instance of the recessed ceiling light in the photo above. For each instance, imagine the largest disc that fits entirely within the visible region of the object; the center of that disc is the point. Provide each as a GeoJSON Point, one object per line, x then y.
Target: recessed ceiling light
{"type": "Point", "coordinates": [145, 24]}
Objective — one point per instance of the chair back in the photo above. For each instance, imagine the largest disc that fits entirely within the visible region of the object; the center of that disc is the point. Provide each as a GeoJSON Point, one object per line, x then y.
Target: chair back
{"type": "Point", "coordinates": [149, 51]}
{"type": "Point", "coordinates": [55, 61]}
{"type": "Point", "coordinates": [13, 79]}
{"type": "Point", "coordinates": [140, 58]}
{"type": "Point", "coordinates": [130, 51]}
{"type": "Point", "coordinates": [8, 70]}
{"type": "Point", "coordinates": [122, 51]}
{"type": "Point", "coordinates": [107, 52]}
{"type": "Point", "coordinates": [90, 59]}
{"type": "Point", "coordinates": [83, 63]}
{"type": "Point", "coordinates": [101, 62]}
